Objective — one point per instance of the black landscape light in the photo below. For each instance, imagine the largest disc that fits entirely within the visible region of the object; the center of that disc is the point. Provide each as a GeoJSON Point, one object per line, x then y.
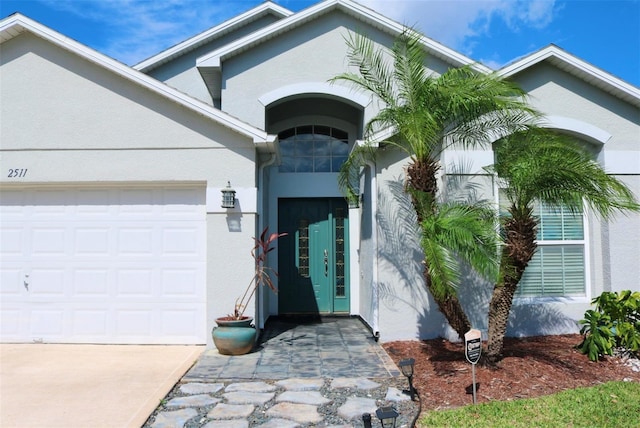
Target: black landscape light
{"type": "Point", "coordinates": [387, 416]}
{"type": "Point", "coordinates": [366, 420]}
{"type": "Point", "coordinates": [228, 196]}
{"type": "Point", "coordinates": [406, 366]}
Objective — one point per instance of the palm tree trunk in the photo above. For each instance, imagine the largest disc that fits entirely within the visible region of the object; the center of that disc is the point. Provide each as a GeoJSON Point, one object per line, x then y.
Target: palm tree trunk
{"type": "Point", "coordinates": [450, 307]}
{"type": "Point", "coordinates": [520, 246]}
{"type": "Point", "coordinates": [421, 177]}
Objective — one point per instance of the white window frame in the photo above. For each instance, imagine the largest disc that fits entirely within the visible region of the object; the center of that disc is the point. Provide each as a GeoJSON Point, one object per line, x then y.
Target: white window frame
{"type": "Point", "coordinates": [527, 300]}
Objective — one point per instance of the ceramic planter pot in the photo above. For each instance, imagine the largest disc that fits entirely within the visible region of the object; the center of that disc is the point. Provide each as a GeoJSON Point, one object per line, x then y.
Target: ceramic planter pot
{"type": "Point", "coordinates": [234, 337]}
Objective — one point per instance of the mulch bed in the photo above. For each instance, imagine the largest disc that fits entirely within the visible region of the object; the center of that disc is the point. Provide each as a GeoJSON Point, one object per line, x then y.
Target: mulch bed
{"type": "Point", "coordinates": [532, 367]}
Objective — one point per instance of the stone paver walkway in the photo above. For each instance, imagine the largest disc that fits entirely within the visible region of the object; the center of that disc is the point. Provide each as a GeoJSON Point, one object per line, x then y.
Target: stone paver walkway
{"type": "Point", "coordinates": [296, 402]}
{"type": "Point", "coordinates": [322, 373]}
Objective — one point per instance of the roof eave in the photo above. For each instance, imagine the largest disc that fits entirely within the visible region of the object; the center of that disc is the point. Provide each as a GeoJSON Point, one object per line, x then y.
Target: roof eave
{"type": "Point", "coordinates": [212, 33]}
{"type": "Point", "coordinates": [577, 67]}
{"type": "Point", "coordinates": [215, 58]}
{"type": "Point", "coordinates": [17, 24]}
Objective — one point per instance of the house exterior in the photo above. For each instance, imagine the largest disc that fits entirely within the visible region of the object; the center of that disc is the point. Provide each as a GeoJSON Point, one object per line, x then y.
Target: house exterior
{"type": "Point", "coordinates": [112, 229]}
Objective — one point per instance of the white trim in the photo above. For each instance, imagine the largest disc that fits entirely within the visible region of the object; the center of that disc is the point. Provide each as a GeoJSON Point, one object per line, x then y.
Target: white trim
{"type": "Point", "coordinates": [517, 301]}
{"type": "Point", "coordinates": [355, 228]}
{"type": "Point", "coordinates": [578, 67]}
{"type": "Point", "coordinates": [375, 294]}
{"type": "Point", "coordinates": [215, 58]}
{"type": "Point", "coordinates": [322, 88]}
{"type": "Point", "coordinates": [17, 23]}
{"type": "Point", "coordinates": [213, 33]}
{"type": "Point", "coordinates": [585, 243]}
{"type": "Point", "coordinates": [576, 126]}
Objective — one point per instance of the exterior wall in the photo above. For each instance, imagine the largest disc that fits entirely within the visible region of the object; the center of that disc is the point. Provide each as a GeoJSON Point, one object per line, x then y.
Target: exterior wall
{"type": "Point", "coordinates": [313, 53]}
{"type": "Point", "coordinates": [406, 310]}
{"type": "Point", "coordinates": [67, 121]}
{"type": "Point", "coordinates": [623, 246]}
{"type": "Point", "coordinates": [367, 273]}
{"type": "Point", "coordinates": [182, 74]}
{"type": "Point", "coordinates": [613, 246]}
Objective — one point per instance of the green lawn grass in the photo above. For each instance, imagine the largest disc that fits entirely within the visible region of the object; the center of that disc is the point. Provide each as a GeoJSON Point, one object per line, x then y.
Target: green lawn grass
{"type": "Point", "coordinates": [613, 404]}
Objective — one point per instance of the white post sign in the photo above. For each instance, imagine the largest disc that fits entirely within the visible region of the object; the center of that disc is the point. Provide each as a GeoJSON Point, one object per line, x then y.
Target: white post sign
{"type": "Point", "coordinates": [472, 350]}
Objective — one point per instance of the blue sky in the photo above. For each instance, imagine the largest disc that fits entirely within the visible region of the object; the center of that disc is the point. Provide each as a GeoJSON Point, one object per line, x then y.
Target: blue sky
{"type": "Point", "coordinates": [495, 32]}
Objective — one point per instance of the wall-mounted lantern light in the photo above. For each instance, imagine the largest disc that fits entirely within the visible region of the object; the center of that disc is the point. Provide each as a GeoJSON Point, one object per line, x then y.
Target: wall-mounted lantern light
{"type": "Point", "coordinates": [228, 196]}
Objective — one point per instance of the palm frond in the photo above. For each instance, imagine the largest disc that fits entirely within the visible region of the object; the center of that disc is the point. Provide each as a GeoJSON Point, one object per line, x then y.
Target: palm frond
{"type": "Point", "coordinates": [374, 74]}
{"type": "Point", "coordinates": [350, 172]}
{"type": "Point", "coordinates": [557, 170]}
{"type": "Point", "coordinates": [453, 233]}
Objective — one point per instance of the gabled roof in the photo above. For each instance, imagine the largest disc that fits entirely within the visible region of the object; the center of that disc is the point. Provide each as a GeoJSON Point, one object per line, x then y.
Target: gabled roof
{"type": "Point", "coordinates": [351, 8]}
{"type": "Point", "coordinates": [577, 67]}
{"type": "Point", "coordinates": [17, 24]}
{"type": "Point", "coordinates": [266, 8]}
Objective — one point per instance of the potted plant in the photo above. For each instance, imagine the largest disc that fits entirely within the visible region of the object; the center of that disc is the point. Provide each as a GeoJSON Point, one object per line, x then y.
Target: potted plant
{"type": "Point", "coordinates": [234, 334]}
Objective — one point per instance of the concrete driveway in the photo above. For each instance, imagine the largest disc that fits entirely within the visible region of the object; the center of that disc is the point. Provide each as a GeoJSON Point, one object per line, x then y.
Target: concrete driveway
{"type": "Point", "coordinates": [47, 385]}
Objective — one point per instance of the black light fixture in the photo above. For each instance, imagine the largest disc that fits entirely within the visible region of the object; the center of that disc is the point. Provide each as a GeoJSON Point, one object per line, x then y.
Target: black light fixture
{"type": "Point", "coordinates": [228, 196]}
{"type": "Point", "coordinates": [406, 366]}
{"type": "Point", "coordinates": [366, 420]}
{"type": "Point", "coordinates": [387, 416]}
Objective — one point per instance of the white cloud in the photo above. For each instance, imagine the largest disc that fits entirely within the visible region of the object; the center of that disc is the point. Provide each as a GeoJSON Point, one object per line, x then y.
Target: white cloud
{"type": "Point", "coordinates": [137, 29]}
{"type": "Point", "coordinates": [456, 23]}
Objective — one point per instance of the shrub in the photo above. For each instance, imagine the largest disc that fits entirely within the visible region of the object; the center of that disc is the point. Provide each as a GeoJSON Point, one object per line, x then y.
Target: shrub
{"type": "Point", "coordinates": [614, 323]}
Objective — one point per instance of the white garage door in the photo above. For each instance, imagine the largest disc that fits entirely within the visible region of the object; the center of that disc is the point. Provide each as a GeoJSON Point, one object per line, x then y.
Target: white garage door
{"type": "Point", "coordinates": [103, 265]}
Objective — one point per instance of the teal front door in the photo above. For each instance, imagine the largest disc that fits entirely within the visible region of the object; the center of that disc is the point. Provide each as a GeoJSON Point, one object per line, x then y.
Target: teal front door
{"type": "Point", "coordinates": [313, 258]}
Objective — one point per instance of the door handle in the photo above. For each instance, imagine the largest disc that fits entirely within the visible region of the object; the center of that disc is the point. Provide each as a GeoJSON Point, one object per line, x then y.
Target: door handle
{"type": "Point", "coordinates": [326, 263]}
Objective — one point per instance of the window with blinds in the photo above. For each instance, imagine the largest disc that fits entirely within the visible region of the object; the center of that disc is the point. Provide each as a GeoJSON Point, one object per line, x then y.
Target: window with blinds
{"type": "Point", "coordinates": [558, 267]}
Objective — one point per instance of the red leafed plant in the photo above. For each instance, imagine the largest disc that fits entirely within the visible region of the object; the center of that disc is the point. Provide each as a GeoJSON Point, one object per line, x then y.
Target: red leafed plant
{"type": "Point", "coordinates": [262, 274]}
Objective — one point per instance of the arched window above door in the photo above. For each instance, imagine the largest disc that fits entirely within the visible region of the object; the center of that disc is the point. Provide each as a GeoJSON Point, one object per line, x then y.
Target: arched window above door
{"type": "Point", "coordinates": [313, 148]}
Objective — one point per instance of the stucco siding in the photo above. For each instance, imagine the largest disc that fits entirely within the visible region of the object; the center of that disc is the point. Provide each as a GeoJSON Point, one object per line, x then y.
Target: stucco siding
{"type": "Point", "coordinates": [406, 310]}
{"type": "Point", "coordinates": [624, 244]}
{"type": "Point", "coordinates": [314, 53]}
{"type": "Point", "coordinates": [182, 73]}
{"type": "Point", "coordinates": [68, 122]}
{"type": "Point", "coordinates": [229, 268]}
{"type": "Point", "coordinates": [53, 99]}
{"type": "Point", "coordinates": [556, 92]}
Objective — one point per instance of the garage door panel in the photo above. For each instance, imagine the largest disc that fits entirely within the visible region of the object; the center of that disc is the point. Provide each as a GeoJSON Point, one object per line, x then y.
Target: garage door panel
{"type": "Point", "coordinates": [91, 241]}
{"type": "Point", "coordinates": [11, 323]}
{"type": "Point", "coordinates": [103, 265]}
{"type": "Point", "coordinates": [47, 322]}
{"type": "Point", "coordinates": [181, 283]}
{"type": "Point", "coordinates": [176, 323]}
{"type": "Point", "coordinates": [48, 241]}
{"type": "Point", "coordinates": [47, 283]}
{"type": "Point", "coordinates": [183, 241]}
{"type": "Point", "coordinates": [90, 283]}
{"type": "Point", "coordinates": [12, 238]}
{"type": "Point", "coordinates": [89, 323]}
{"type": "Point", "coordinates": [134, 323]}
{"type": "Point", "coordinates": [136, 241]}
{"type": "Point", "coordinates": [135, 283]}
{"type": "Point", "coordinates": [11, 281]}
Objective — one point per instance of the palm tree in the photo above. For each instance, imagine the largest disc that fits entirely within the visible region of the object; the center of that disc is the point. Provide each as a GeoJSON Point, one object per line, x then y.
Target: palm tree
{"type": "Point", "coordinates": [539, 165]}
{"type": "Point", "coordinates": [428, 113]}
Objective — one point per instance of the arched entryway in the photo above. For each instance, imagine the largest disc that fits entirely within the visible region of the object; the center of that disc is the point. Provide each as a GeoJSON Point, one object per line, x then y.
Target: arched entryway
{"type": "Point", "coordinates": [316, 135]}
